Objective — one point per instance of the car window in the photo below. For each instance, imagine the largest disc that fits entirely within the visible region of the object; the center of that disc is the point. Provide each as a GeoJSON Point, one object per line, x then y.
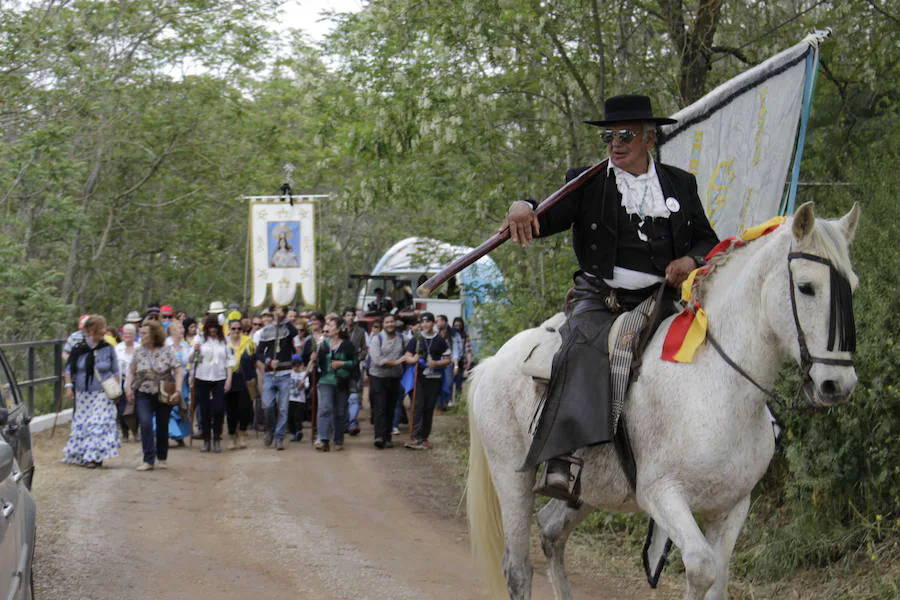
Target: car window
{"type": "Point", "coordinates": [7, 394]}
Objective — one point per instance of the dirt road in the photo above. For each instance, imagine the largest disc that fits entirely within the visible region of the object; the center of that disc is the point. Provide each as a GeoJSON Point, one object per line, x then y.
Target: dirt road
{"type": "Point", "coordinates": [259, 524]}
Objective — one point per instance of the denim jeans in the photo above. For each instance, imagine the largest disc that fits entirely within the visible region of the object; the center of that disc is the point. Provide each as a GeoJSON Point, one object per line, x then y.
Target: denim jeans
{"type": "Point", "coordinates": [353, 401]}
{"type": "Point", "coordinates": [332, 413]}
{"type": "Point", "coordinates": [146, 406]}
{"type": "Point", "coordinates": [276, 394]}
{"type": "Point", "coordinates": [445, 396]}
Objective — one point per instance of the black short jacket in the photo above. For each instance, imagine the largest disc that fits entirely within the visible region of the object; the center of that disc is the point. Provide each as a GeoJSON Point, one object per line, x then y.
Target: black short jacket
{"type": "Point", "coordinates": [592, 214]}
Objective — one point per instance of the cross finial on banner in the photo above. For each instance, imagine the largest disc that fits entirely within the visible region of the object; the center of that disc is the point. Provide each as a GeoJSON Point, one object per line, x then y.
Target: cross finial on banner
{"type": "Point", "coordinates": [287, 191]}
{"type": "Point", "coordinates": [288, 172]}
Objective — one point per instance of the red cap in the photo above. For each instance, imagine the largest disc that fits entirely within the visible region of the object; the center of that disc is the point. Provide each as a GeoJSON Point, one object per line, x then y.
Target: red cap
{"type": "Point", "coordinates": [82, 320]}
{"type": "Point", "coordinates": [166, 310]}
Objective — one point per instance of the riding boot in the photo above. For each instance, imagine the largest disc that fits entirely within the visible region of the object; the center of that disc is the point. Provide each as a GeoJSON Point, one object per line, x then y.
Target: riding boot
{"type": "Point", "coordinates": [558, 480]}
{"type": "Point", "coordinates": [558, 472]}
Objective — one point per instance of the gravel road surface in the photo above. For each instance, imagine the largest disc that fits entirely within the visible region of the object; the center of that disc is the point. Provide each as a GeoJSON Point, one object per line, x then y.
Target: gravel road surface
{"type": "Point", "coordinates": [257, 523]}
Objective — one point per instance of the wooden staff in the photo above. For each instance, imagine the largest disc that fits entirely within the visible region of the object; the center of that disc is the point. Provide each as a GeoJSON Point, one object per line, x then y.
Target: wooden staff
{"type": "Point", "coordinates": [193, 395]}
{"type": "Point", "coordinates": [412, 419]}
{"type": "Point", "coordinates": [59, 401]}
{"type": "Point", "coordinates": [499, 238]}
{"type": "Point", "coordinates": [313, 400]}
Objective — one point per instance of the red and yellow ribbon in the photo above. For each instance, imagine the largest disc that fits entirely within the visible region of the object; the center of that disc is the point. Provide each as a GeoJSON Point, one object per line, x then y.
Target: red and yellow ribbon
{"type": "Point", "coordinates": [685, 335]}
{"type": "Point", "coordinates": [688, 331]}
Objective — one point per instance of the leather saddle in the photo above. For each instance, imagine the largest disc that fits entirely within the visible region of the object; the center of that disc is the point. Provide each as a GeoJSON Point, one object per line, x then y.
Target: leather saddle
{"type": "Point", "coordinates": [544, 341]}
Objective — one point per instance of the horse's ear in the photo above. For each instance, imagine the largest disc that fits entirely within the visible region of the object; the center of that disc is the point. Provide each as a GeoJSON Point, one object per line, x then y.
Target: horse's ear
{"type": "Point", "coordinates": [804, 221]}
{"type": "Point", "coordinates": [849, 222]}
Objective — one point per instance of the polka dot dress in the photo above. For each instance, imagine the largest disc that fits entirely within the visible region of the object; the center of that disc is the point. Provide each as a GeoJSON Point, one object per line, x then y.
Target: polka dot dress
{"type": "Point", "coordinates": [93, 436]}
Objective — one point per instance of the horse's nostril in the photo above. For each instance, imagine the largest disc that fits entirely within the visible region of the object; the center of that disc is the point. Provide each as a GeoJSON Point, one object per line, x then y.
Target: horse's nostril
{"type": "Point", "coordinates": [829, 388]}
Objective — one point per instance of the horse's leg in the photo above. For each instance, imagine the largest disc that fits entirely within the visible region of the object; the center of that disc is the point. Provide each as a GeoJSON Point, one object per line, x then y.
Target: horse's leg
{"type": "Point", "coordinates": [668, 507]}
{"type": "Point", "coordinates": [722, 532]}
{"type": "Point", "coordinates": [556, 521]}
{"type": "Point", "coordinates": [516, 503]}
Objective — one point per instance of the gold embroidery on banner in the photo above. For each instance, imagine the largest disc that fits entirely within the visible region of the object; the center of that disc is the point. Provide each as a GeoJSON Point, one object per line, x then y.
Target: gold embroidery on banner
{"type": "Point", "coordinates": [696, 149]}
{"type": "Point", "coordinates": [717, 189]}
{"type": "Point", "coordinates": [760, 126]}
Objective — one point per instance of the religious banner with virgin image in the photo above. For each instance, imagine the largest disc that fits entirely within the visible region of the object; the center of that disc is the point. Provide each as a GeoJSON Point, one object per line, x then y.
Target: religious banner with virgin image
{"type": "Point", "coordinates": [283, 250]}
{"type": "Point", "coordinates": [739, 139]}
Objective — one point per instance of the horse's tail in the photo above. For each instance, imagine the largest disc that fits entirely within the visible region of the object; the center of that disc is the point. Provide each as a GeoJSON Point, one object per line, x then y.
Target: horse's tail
{"type": "Point", "coordinates": [482, 504]}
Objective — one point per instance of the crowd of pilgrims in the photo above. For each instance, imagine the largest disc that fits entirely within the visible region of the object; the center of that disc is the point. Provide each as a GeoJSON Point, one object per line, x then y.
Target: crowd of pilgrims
{"type": "Point", "coordinates": [166, 376]}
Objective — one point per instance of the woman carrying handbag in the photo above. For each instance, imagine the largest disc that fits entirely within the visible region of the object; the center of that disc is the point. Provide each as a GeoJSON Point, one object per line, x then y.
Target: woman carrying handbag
{"type": "Point", "coordinates": [154, 368]}
{"type": "Point", "coordinates": [92, 369]}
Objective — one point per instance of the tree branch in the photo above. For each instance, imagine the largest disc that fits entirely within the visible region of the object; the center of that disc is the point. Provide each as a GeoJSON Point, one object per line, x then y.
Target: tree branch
{"type": "Point", "coordinates": [735, 52]}
{"type": "Point", "coordinates": [883, 12]}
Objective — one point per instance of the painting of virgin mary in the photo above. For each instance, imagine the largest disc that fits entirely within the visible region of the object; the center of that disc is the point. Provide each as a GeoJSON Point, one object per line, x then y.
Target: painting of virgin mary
{"type": "Point", "coordinates": [284, 254]}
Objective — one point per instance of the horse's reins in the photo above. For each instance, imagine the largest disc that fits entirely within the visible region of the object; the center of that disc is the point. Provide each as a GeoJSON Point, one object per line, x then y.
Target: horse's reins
{"type": "Point", "coordinates": [841, 311]}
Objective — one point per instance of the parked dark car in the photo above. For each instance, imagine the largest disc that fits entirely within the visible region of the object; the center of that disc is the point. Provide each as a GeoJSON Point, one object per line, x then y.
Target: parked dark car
{"type": "Point", "coordinates": [17, 508]}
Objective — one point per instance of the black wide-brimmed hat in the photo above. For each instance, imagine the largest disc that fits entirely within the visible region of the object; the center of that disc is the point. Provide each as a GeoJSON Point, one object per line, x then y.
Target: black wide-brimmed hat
{"type": "Point", "coordinates": [629, 107]}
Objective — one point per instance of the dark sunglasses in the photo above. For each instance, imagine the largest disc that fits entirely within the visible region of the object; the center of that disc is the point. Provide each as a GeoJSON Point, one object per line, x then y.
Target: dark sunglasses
{"type": "Point", "coordinates": [235, 329]}
{"type": "Point", "coordinates": [257, 324]}
{"type": "Point", "coordinates": [168, 317]}
{"type": "Point", "coordinates": [624, 135]}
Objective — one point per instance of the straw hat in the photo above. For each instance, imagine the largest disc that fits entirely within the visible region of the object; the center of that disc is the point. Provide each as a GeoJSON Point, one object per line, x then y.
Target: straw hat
{"type": "Point", "coordinates": [216, 307]}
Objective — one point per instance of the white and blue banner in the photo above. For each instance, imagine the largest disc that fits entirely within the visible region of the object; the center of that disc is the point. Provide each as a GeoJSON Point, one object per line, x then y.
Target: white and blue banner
{"type": "Point", "coordinates": [738, 140]}
{"type": "Point", "coordinates": [283, 250]}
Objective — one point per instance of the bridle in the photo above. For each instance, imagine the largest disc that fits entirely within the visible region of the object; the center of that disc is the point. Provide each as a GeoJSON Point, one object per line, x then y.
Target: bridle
{"type": "Point", "coordinates": [840, 325]}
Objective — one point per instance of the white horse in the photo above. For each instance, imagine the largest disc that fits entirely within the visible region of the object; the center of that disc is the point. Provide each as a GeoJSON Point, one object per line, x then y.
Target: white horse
{"type": "Point", "coordinates": [701, 434]}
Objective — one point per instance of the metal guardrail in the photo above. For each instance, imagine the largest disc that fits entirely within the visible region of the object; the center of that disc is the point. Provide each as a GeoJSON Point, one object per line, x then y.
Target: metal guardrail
{"type": "Point", "coordinates": [31, 367]}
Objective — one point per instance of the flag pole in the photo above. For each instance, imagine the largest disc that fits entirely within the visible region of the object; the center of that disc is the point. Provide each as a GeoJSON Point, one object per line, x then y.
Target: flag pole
{"type": "Point", "coordinates": [809, 85]}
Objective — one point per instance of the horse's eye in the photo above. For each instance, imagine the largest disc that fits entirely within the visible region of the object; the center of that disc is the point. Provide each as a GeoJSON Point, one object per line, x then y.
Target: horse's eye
{"type": "Point", "coordinates": [807, 289]}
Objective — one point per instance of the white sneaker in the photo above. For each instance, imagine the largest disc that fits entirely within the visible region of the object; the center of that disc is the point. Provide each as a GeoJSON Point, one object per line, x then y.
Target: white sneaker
{"type": "Point", "coordinates": [395, 431]}
{"type": "Point", "coordinates": [144, 467]}
{"type": "Point", "coordinates": [161, 464]}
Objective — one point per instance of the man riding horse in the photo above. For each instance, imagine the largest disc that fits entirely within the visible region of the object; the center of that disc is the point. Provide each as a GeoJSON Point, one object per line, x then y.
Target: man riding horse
{"type": "Point", "coordinates": [635, 225]}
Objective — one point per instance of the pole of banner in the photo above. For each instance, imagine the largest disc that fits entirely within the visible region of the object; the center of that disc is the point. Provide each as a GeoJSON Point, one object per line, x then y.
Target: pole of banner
{"type": "Point", "coordinates": [809, 84]}
{"type": "Point", "coordinates": [247, 254]}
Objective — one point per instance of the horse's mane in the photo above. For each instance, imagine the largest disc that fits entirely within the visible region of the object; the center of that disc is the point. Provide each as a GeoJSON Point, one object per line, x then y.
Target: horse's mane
{"type": "Point", "coordinates": [829, 235]}
{"type": "Point", "coordinates": [826, 234]}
